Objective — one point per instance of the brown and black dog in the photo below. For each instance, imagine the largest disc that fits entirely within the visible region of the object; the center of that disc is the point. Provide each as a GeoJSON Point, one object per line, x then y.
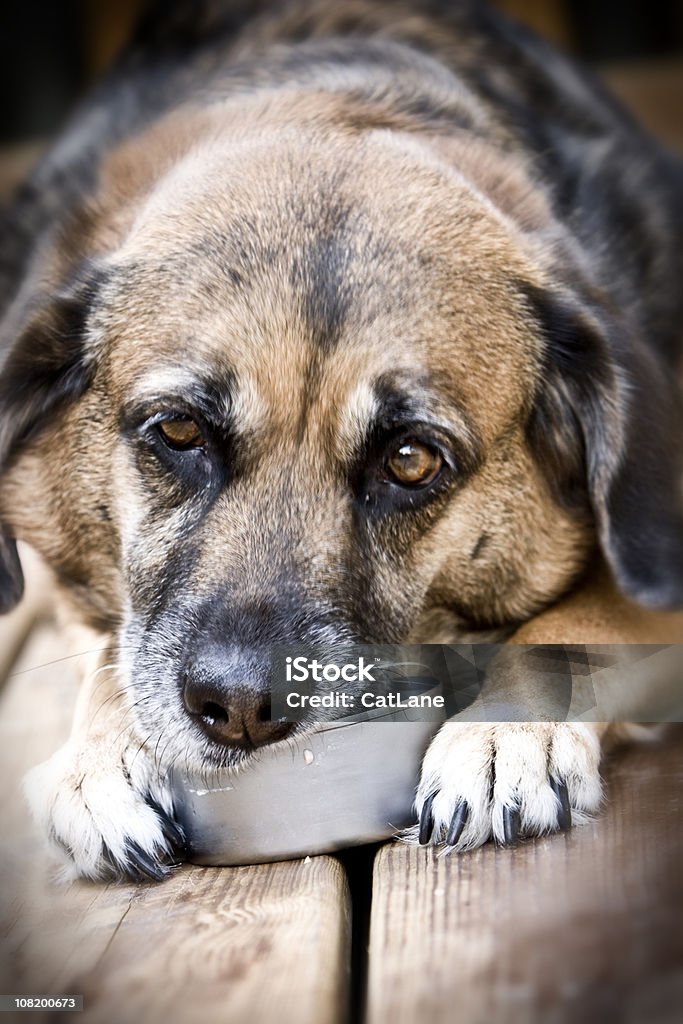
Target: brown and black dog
{"type": "Point", "coordinates": [333, 323]}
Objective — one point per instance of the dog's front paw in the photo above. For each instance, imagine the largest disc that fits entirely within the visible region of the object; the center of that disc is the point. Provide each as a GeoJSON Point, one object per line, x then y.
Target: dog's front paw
{"type": "Point", "coordinates": [482, 780]}
{"type": "Point", "coordinates": [102, 817]}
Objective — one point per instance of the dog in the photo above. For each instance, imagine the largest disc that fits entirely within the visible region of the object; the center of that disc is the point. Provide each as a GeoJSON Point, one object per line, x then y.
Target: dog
{"type": "Point", "coordinates": [337, 323]}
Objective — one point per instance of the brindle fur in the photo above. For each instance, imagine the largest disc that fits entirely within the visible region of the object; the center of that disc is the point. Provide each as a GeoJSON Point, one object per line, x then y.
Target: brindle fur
{"type": "Point", "coordinates": [313, 225]}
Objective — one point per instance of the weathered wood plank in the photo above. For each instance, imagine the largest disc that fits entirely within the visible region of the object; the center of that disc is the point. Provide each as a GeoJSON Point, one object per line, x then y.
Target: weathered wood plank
{"type": "Point", "coordinates": [264, 943]}
{"type": "Point", "coordinates": [239, 944]}
{"type": "Point", "coordinates": [579, 926]}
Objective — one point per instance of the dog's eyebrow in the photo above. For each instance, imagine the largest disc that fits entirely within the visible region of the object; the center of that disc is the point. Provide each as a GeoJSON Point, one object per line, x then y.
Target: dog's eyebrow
{"type": "Point", "coordinates": [213, 399]}
{"type": "Point", "coordinates": [400, 402]}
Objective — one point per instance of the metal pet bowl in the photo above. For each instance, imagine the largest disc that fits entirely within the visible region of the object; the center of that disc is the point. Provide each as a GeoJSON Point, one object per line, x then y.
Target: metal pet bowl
{"type": "Point", "coordinates": [346, 784]}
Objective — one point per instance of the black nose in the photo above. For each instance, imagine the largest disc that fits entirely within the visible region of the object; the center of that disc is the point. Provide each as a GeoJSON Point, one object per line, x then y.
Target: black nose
{"type": "Point", "coordinates": [234, 714]}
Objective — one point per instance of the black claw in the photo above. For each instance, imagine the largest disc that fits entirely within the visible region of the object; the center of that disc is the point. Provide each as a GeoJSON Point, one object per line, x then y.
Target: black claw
{"type": "Point", "coordinates": [113, 869]}
{"type": "Point", "coordinates": [511, 823]}
{"type": "Point", "coordinates": [175, 837]}
{"type": "Point", "coordinates": [118, 872]}
{"type": "Point", "coordinates": [143, 865]}
{"type": "Point", "coordinates": [426, 823]}
{"type": "Point", "coordinates": [564, 815]}
{"type": "Point", "coordinates": [172, 832]}
{"type": "Point", "coordinates": [139, 865]}
{"type": "Point", "coordinates": [458, 822]}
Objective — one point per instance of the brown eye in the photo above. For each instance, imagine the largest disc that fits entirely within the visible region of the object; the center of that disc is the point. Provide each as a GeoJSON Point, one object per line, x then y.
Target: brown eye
{"type": "Point", "coordinates": [414, 464]}
{"type": "Point", "coordinates": [181, 434]}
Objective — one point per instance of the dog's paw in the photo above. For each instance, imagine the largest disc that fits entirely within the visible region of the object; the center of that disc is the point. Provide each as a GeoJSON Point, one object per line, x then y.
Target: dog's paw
{"type": "Point", "coordinates": [503, 781]}
{"type": "Point", "coordinates": [104, 817]}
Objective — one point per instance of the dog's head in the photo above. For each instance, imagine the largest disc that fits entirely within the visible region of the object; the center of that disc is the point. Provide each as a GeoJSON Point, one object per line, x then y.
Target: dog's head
{"type": "Point", "coordinates": [320, 386]}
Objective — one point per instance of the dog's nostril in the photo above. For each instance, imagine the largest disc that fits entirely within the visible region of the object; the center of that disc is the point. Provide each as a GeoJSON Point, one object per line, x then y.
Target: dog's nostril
{"type": "Point", "coordinates": [233, 715]}
{"type": "Point", "coordinates": [213, 713]}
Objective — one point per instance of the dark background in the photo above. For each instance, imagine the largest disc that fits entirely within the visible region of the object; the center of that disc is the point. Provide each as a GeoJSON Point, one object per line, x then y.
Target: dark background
{"type": "Point", "coordinates": [51, 49]}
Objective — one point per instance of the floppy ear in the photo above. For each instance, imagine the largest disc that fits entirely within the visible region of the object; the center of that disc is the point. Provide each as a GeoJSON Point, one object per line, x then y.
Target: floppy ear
{"type": "Point", "coordinates": [46, 366]}
{"type": "Point", "coordinates": [608, 428]}
{"type": "Point", "coordinates": [11, 576]}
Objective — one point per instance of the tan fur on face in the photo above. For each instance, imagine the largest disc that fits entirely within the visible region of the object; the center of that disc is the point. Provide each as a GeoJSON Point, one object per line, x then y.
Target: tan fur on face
{"type": "Point", "coordinates": [434, 303]}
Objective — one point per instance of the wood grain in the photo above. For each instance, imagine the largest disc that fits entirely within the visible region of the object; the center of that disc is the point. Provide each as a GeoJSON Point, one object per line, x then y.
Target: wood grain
{"type": "Point", "coordinates": [260, 944]}
{"type": "Point", "coordinates": [583, 926]}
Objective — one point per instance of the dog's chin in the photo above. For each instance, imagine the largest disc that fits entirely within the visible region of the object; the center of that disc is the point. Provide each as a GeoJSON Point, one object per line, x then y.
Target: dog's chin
{"type": "Point", "coordinates": [208, 758]}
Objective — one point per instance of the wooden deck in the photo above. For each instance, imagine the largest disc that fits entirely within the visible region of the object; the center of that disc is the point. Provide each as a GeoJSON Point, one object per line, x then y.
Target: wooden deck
{"type": "Point", "coordinates": [580, 926]}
